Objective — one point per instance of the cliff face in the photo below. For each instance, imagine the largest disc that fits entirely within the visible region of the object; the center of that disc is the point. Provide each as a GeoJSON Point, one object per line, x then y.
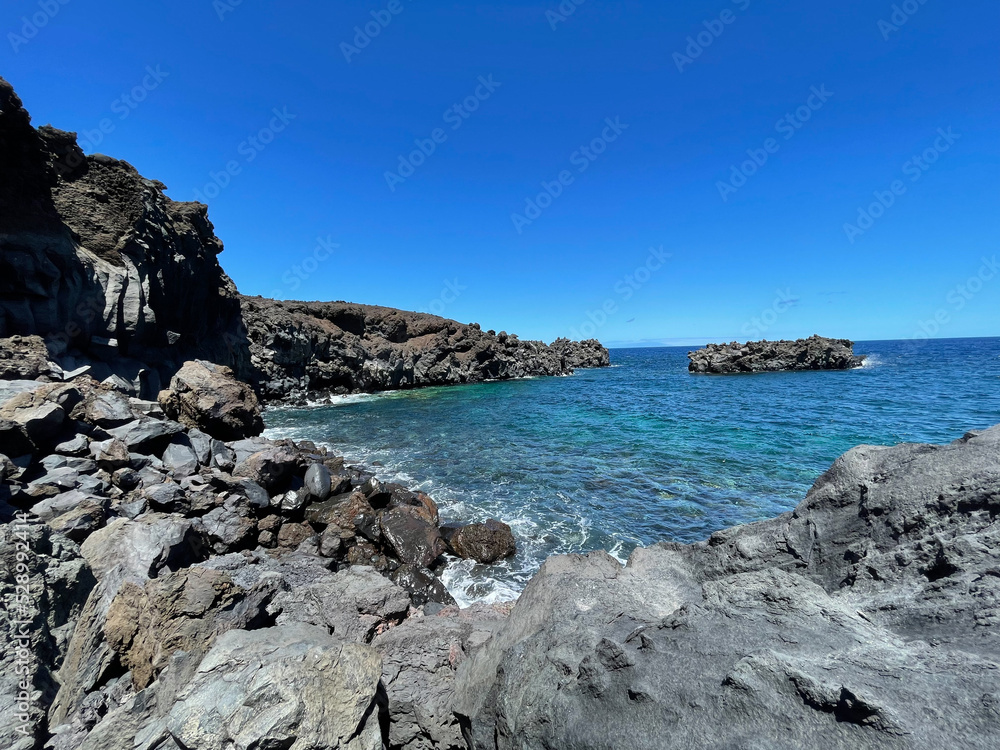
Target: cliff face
{"type": "Point", "coordinates": [301, 347]}
{"type": "Point", "coordinates": [813, 353]}
{"type": "Point", "coordinates": [96, 260]}
{"type": "Point", "coordinates": [94, 257]}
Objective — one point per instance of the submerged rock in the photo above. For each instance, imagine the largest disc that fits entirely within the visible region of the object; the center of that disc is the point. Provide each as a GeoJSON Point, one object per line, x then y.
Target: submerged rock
{"type": "Point", "coordinates": [813, 353]}
{"type": "Point", "coordinates": [483, 542]}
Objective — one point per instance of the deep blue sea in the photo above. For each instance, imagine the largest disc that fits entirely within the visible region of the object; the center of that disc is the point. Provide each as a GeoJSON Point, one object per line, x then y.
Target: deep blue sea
{"type": "Point", "coordinates": [644, 451]}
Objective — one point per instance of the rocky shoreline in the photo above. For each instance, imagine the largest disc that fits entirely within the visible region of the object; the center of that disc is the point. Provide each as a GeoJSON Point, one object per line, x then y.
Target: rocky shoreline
{"type": "Point", "coordinates": [813, 353]}
{"type": "Point", "coordinates": [171, 580]}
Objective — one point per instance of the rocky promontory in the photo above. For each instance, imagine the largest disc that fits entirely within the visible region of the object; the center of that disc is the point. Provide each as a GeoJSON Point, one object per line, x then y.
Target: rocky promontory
{"type": "Point", "coordinates": [300, 348]}
{"type": "Point", "coordinates": [121, 282]}
{"type": "Point", "coordinates": [813, 353]}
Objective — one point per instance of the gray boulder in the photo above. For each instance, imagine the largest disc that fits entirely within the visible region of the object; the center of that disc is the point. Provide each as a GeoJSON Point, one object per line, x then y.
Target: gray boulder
{"type": "Point", "coordinates": [866, 618]}
{"type": "Point", "coordinates": [208, 396]}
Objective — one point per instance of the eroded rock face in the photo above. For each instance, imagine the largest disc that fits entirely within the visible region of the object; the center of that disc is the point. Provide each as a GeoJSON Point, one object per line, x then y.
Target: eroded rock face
{"type": "Point", "coordinates": [292, 687]}
{"type": "Point", "coordinates": [208, 397]}
{"type": "Point", "coordinates": [813, 353]}
{"type": "Point", "coordinates": [337, 347]}
{"type": "Point", "coordinates": [96, 258]}
{"type": "Point", "coordinates": [866, 618]}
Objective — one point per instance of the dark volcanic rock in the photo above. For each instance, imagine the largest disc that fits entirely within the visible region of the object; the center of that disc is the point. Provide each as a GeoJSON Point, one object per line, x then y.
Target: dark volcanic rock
{"type": "Point", "coordinates": [300, 347]}
{"type": "Point", "coordinates": [813, 353]}
{"type": "Point", "coordinates": [208, 397]}
{"type": "Point", "coordinates": [96, 258]}
{"type": "Point", "coordinates": [866, 618]}
{"type": "Point", "coordinates": [482, 542]}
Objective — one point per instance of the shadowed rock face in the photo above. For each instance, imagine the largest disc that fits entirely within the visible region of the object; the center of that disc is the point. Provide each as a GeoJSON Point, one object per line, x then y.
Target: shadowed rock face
{"type": "Point", "coordinates": [92, 251]}
{"type": "Point", "coordinates": [813, 353]}
{"type": "Point", "coordinates": [301, 347]}
{"type": "Point", "coordinates": [866, 618]}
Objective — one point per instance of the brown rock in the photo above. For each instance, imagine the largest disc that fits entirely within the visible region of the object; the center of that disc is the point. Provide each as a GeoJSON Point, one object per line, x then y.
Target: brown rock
{"type": "Point", "coordinates": [209, 397]}
{"type": "Point", "coordinates": [483, 542]}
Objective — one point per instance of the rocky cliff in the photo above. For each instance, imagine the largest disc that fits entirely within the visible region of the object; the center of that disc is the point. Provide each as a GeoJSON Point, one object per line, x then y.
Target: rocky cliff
{"type": "Point", "coordinates": [100, 263]}
{"type": "Point", "coordinates": [336, 347]}
{"type": "Point", "coordinates": [813, 353]}
{"type": "Point", "coordinates": [115, 276]}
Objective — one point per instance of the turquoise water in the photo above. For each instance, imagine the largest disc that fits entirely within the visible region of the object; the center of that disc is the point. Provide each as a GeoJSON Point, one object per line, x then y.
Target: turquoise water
{"type": "Point", "coordinates": [643, 451]}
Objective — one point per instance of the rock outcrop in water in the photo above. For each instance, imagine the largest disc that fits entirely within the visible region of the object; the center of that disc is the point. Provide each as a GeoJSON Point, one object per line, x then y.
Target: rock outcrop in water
{"type": "Point", "coordinates": [813, 353]}
{"type": "Point", "coordinates": [869, 617]}
{"type": "Point", "coordinates": [337, 347]}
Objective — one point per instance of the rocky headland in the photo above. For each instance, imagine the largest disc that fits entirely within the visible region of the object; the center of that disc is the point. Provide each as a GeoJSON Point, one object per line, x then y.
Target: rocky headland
{"type": "Point", "coordinates": [300, 349]}
{"type": "Point", "coordinates": [173, 581]}
{"type": "Point", "coordinates": [813, 353]}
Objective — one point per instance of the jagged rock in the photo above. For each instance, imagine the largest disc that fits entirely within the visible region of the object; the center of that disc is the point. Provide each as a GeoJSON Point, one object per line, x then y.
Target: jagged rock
{"type": "Point", "coordinates": [271, 468]}
{"type": "Point", "coordinates": [24, 358]}
{"type": "Point", "coordinates": [75, 446]}
{"type": "Point", "coordinates": [113, 455]}
{"type": "Point", "coordinates": [292, 687]}
{"type": "Point", "coordinates": [37, 626]}
{"type": "Point", "coordinates": [813, 353]}
{"type": "Point", "coordinates": [292, 535]}
{"type": "Point", "coordinates": [209, 397]}
{"type": "Point", "coordinates": [106, 409]}
{"type": "Point", "coordinates": [180, 460]}
{"type": "Point", "coordinates": [124, 550]}
{"type": "Point", "coordinates": [182, 611]}
{"type": "Point", "coordinates": [222, 456]}
{"type": "Point", "coordinates": [39, 417]}
{"type": "Point", "coordinates": [422, 585]}
{"type": "Point", "coordinates": [301, 347]}
{"type": "Point", "coordinates": [355, 604]}
{"type": "Point", "coordinates": [420, 658]}
{"type": "Point", "coordinates": [483, 542]}
{"type": "Point", "coordinates": [78, 523]}
{"type": "Point", "coordinates": [411, 538]}
{"type": "Point", "coordinates": [91, 252]}
{"type": "Point", "coordinates": [229, 530]}
{"type": "Point", "coordinates": [147, 435]}
{"type": "Point", "coordinates": [866, 617]}
{"type": "Point", "coordinates": [63, 502]}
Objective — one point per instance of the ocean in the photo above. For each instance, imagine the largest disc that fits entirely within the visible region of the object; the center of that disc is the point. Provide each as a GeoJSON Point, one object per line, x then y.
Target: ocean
{"type": "Point", "coordinates": [643, 451]}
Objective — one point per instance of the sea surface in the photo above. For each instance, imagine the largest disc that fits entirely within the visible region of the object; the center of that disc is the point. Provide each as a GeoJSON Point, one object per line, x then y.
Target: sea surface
{"type": "Point", "coordinates": [643, 451]}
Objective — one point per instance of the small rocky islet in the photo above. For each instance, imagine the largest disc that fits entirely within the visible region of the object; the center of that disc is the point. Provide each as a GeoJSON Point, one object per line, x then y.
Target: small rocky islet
{"type": "Point", "coordinates": [813, 353]}
{"type": "Point", "coordinates": [172, 580]}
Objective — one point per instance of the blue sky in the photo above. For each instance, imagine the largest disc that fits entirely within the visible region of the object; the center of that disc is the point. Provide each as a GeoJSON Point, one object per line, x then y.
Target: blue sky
{"type": "Point", "coordinates": [744, 141]}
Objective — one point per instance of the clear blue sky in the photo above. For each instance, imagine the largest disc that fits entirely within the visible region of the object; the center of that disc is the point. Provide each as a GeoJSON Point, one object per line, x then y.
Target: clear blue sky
{"type": "Point", "coordinates": [686, 113]}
